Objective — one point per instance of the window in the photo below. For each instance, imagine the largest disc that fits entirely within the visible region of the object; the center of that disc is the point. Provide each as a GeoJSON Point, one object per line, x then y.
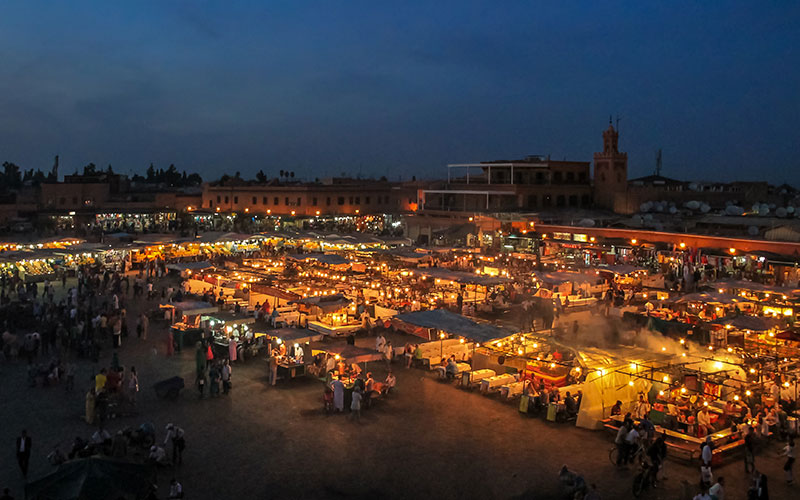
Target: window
{"type": "Point", "coordinates": [286, 201]}
{"type": "Point", "coordinates": [366, 200]}
{"type": "Point", "coordinates": [547, 200]}
{"type": "Point", "coordinates": [62, 201]}
{"type": "Point", "coordinates": [557, 177]}
{"type": "Point", "coordinates": [531, 201]}
{"type": "Point", "coordinates": [219, 198]}
{"type": "Point", "coordinates": [358, 200]}
{"type": "Point", "coordinates": [560, 200]}
{"type": "Point", "coordinates": [314, 201]}
{"type": "Point", "coordinates": [255, 200]}
{"type": "Point", "coordinates": [236, 199]}
{"type": "Point", "coordinates": [570, 177]}
{"type": "Point", "coordinates": [275, 201]}
{"type": "Point", "coordinates": [582, 176]}
{"type": "Point", "coordinates": [341, 200]}
{"type": "Point", "coordinates": [210, 203]}
{"type": "Point", "coordinates": [299, 201]}
{"type": "Point", "coordinates": [350, 201]}
{"type": "Point", "coordinates": [263, 200]}
{"type": "Point", "coordinates": [328, 201]}
{"type": "Point", "coordinates": [573, 200]}
{"type": "Point", "coordinates": [539, 177]}
{"type": "Point", "coordinates": [585, 200]}
{"type": "Point", "coordinates": [226, 199]}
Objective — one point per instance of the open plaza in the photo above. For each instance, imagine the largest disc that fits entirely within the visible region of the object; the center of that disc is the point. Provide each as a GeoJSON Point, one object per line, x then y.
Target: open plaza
{"type": "Point", "coordinates": [302, 364]}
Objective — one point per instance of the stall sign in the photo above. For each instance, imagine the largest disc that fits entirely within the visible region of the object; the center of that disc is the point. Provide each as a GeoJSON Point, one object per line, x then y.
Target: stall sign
{"type": "Point", "coordinates": [580, 237]}
{"type": "Point", "coordinates": [562, 236]}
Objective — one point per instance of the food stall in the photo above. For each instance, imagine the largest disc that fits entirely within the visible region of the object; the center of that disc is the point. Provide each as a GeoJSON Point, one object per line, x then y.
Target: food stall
{"type": "Point", "coordinates": [225, 326]}
{"type": "Point", "coordinates": [332, 314]}
{"type": "Point", "coordinates": [186, 320]}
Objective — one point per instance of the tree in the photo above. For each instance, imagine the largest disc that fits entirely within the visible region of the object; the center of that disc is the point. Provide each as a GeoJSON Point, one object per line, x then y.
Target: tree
{"type": "Point", "coordinates": [90, 169]}
{"type": "Point", "coordinates": [292, 174]}
{"type": "Point", "coordinates": [282, 174]}
{"type": "Point", "coordinates": [151, 173]}
{"type": "Point", "coordinates": [261, 177]}
{"type": "Point", "coordinates": [109, 170]}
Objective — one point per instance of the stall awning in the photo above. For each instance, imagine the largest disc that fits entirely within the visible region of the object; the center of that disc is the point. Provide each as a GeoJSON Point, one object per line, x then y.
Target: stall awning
{"type": "Point", "coordinates": [622, 269]}
{"type": "Point", "coordinates": [231, 319]}
{"type": "Point", "coordinates": [322, 258]}
{"type": "Point", "coordinates": [190, 266]}
{"type": "Point", "coordinates": [273, 292]}
{"type": "Point", "coordinates": [559, 277]}
{"type": "Point", "coordinates": [755, 323]}
{"type": "Point", "coordinates": [710, 298]}
{"type": "Point", "coordinates": [462, 277]}
{"type": "Point", "coordinates": [753, 286]}
{"type": "Point", "coordinates": [294, 335]}
{"type": "Point", "coordinates": [454, 324]}
{"type": "Point", "coordinates": [328, 303]}
{"type": "Point", "coordinates": [354, 354]}
{"type": "Point", "coordinates": [191, 307]}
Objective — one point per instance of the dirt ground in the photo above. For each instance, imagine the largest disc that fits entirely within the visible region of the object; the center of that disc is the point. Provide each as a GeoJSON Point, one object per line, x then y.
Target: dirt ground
{"type": "Point", "coordinates": [429, 440]}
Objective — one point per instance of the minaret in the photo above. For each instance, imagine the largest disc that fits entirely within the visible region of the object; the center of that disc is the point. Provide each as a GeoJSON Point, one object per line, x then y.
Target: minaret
{"type": "Point", "coordinates": [610, 170]}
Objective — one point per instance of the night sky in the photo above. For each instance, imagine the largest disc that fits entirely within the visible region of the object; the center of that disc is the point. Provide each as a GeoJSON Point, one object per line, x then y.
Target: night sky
{"type": "Point", "coordinates": [400, 88]}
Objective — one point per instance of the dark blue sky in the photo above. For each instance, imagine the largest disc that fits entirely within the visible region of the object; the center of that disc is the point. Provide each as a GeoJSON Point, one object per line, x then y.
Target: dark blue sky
{"type": "Point", "coordinates": [400, 88]}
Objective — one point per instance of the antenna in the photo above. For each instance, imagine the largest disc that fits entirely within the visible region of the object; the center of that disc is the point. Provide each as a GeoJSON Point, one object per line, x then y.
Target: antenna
{"type": "Point", "coordinates": [617, 127]}
{"type": "Point", "coordinates": [658, 162]}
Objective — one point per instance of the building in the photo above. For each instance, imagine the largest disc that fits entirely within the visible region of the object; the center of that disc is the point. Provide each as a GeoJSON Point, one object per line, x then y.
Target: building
{"type": "Point", "coordinates": [112, 201]}
{"type": "Point", "coordinates": [610, 171]}
{"type": "Point", "coordinates": [529, 184]}
{"type": "Point", "coordinates": [338, 196]}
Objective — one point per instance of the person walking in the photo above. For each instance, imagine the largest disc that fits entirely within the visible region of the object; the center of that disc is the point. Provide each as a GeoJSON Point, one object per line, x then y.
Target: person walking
{"type": "Point", "coordinates": [133, 385]}
{"type": "Point", "coordinates": [338, 394]}
{"type": "Point", "coordinates": [226, 377]}
{"type": "Point", "coordinates": [273, 369]}
{"type": "Point", "coordinates": [355, 404]}
{"type": "Point", "coordinates": [24, 452]}
{"type": "Point", "coordinates": [175, 489]}
{"type": "Point", "coordinates": [176, 435]}
{"type": "Point", "coordinates": [145, 325]}
{"type": "Point", "coordinates": [788, 452]}
{"type": "Point", "coordinates": [749, 452]}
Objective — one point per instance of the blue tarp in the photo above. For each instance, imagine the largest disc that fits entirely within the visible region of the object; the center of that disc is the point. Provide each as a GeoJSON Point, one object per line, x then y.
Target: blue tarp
{"type": "Point", "coordinates": [454, 324]}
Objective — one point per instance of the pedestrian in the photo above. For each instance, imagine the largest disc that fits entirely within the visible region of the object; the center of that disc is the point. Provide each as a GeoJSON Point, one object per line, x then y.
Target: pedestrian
{"type": "Point", "coordinates": [24, 452]}
{"type": "Point", "coordinates": [706, 453]}
{"type": "Point", "coordinates": [176, 435]}
{"type": "Point", "coordinates": [749, 455]}
{"type": "Point", "coordinates": [338, 394]}
{"type": "Point", "coordinates": [213, 376]}
{"type": "Point", "coordinates": [232, 349]}
{"type": "Point", "coordinates": [355, 404]}
{"type": "Point", "coordinates": [69, 373]}
{"type": "Point", "coordinates": [201, 383]}
{"type": "Point", "coordinates": [175, 489]}
{"type": "Point", "coordinates": [388, 353]}
{"type": "Point", "coordinates": [226, 377]}
{"type": "Point", "coordinates": [706, 477]}
{"type": "Point", "coordinates": [717, 492]}
{"type": "Point", "coordinates": [273, 369]}
{"type": "Point", "coordinates": [145, 325]}
{"type": "Point", "coordinates": [788, 452]}
{"type": "Point", "coordinates": [133, 385]}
